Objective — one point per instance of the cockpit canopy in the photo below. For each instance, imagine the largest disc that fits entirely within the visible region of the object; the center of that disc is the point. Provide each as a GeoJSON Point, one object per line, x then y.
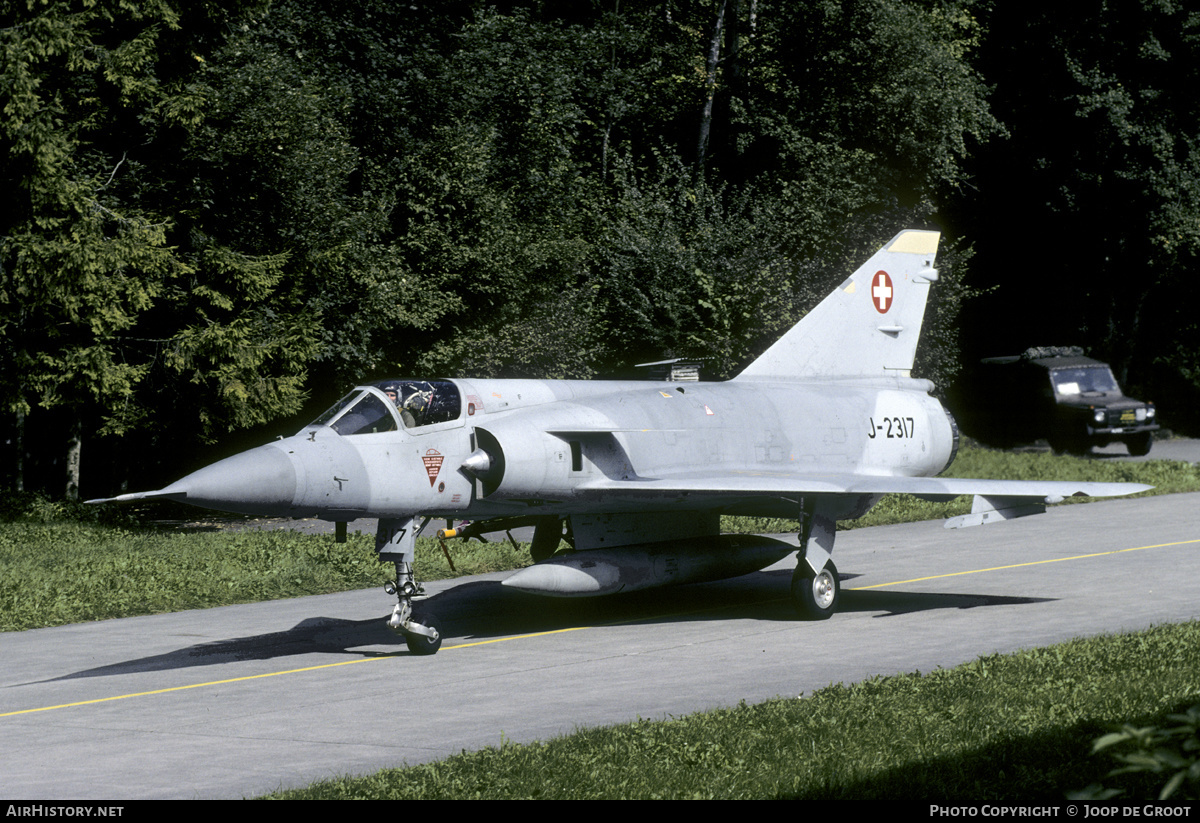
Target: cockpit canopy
{"type": "Point", "coordinates": [392, 404]}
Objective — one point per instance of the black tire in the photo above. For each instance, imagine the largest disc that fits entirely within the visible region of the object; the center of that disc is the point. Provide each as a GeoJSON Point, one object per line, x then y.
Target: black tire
{"type": "Point", "coordinates": [816, 596]}
{"type": "Point", "coordinates": [419, 643]}
{"type": "Point", "coordinates": [1070, 444]}
{"type": "Point", "coordinates": [1139, 444]}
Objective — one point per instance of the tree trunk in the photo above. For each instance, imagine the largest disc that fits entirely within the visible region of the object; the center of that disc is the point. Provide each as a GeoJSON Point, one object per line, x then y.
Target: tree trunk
{"type": "Point", "coordinates": [19, 437]}
{"type": "Point", "coordinates": [74, 446]}
{"type": "Point", "coordinates": [710, 88]}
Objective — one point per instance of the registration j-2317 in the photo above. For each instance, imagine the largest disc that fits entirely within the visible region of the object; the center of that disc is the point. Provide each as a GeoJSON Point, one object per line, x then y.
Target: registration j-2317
{"type": "Point", "coordinates": [891, 428]}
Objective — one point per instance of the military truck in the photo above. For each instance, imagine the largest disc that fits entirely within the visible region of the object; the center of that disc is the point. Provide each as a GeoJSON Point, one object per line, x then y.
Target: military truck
{"type": "Point", "coordinates": [1056, 393]}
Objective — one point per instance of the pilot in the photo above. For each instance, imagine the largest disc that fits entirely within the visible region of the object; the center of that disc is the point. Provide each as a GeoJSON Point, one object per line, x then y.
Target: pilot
{"type": "Point", "coordinates": [406, 417]}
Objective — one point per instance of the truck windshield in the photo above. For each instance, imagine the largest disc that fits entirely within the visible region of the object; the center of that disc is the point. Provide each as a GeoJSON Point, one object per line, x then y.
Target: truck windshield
{"type": "Point", "coordinates": [1083, 381]}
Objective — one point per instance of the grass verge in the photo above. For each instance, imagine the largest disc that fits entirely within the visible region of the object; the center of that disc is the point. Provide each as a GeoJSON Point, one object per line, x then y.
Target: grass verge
{"type": "Point", "coordinates": [68, 572]}
{"type": "Point", "coordinates": [1017, 726]}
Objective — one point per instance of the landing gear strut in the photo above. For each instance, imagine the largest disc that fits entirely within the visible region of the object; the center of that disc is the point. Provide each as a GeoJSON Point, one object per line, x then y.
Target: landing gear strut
{"type": "Point", "coordinates": [816, 588]}
{"type": "Point", "coordinates": [396, 541]}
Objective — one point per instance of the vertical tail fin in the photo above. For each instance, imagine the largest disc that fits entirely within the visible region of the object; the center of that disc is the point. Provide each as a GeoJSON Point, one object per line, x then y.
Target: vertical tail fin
{"type": "Point", "coordinates": [868, 326]}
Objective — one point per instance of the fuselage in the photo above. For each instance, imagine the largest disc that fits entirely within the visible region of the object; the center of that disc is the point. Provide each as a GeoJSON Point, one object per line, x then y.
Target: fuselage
{"type": "Point", "coordinates": [498, 448]}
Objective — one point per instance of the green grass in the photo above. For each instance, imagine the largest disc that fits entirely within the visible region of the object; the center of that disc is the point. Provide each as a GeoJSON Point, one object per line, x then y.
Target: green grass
{"type": "Point", "coordinates": [67, 564]}
{"type": "Point", "coordinates": [57, 572]}
{"type": "Point", "coordinates": [1001, 728]}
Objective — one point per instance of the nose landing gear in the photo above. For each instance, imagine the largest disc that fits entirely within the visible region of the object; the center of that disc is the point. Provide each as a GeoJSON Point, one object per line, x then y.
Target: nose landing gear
{"type": "Point", "coordinates": [396, 541]}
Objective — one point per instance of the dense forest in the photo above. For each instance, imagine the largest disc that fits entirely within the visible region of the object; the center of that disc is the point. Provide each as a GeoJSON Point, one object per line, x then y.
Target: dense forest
{"type": "Point", "coordinates": [222, 215]}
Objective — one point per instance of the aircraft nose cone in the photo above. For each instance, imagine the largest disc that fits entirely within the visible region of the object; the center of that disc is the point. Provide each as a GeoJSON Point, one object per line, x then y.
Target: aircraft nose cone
{"type": "Point", "coordinates": [259, 481]}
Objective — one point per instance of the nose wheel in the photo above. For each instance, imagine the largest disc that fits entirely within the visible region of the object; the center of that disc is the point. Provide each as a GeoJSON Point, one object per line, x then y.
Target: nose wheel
{"type": "Point", "coordinates": [422, 633]}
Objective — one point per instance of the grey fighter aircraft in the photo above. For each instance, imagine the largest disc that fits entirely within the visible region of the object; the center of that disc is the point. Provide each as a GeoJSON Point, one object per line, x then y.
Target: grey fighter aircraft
{"type": "Point", "coordinates": [635, 475]}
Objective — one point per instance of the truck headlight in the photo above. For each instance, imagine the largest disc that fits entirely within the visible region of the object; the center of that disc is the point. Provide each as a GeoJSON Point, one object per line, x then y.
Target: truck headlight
{"type": "Point", "coordinates": [1100, 415]}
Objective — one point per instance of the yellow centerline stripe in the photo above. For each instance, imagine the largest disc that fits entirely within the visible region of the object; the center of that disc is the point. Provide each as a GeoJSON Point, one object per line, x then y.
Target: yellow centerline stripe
{"type": "Point", "coordinates": [277, 674]}
{"type": "Point", "coordinates": [1021, 565]}
{"type": "Point", "coordinates": [555, 631]}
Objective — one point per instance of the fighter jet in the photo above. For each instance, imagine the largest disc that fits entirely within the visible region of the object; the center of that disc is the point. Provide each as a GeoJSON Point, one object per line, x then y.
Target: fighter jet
{"type": "Point", "coordinates": [633, 476]}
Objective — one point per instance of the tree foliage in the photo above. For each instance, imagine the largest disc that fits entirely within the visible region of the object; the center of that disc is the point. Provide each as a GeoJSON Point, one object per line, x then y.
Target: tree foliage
{"type": "Point", "coordinates": [78, 266]}
{"type": "Point", "coordinates": [1100, 181]}
{"type": "Point", "coordinates": [235, 206]}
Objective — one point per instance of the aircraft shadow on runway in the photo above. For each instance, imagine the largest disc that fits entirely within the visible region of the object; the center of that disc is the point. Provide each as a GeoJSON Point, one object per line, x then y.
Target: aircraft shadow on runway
{"type": "Point", "coordinates": [897, 603]}
{"type": "Point", "coordinates": [486, 610]}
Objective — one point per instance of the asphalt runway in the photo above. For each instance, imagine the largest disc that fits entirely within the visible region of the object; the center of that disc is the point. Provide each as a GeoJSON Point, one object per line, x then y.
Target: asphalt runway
{"type": "Point", "coordinates": [242, 700]}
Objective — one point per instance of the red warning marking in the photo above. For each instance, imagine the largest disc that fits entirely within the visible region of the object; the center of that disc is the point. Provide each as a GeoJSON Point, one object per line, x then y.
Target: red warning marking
{"type": "Point", "coordinates": [881, 292]}
{"type": "Point", "coordinates": [433, 464]}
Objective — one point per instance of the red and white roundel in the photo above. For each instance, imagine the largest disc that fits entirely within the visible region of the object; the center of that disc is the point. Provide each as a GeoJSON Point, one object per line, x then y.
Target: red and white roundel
{"type": "Point", "coordinates": [881, 292]}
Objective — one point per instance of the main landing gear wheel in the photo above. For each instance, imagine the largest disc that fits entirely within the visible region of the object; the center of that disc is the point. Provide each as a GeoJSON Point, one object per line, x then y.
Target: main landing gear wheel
{"type": "Point", "coordinates": [816, 596]}
{"type": "Point", "coordinates": [423, 644]}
